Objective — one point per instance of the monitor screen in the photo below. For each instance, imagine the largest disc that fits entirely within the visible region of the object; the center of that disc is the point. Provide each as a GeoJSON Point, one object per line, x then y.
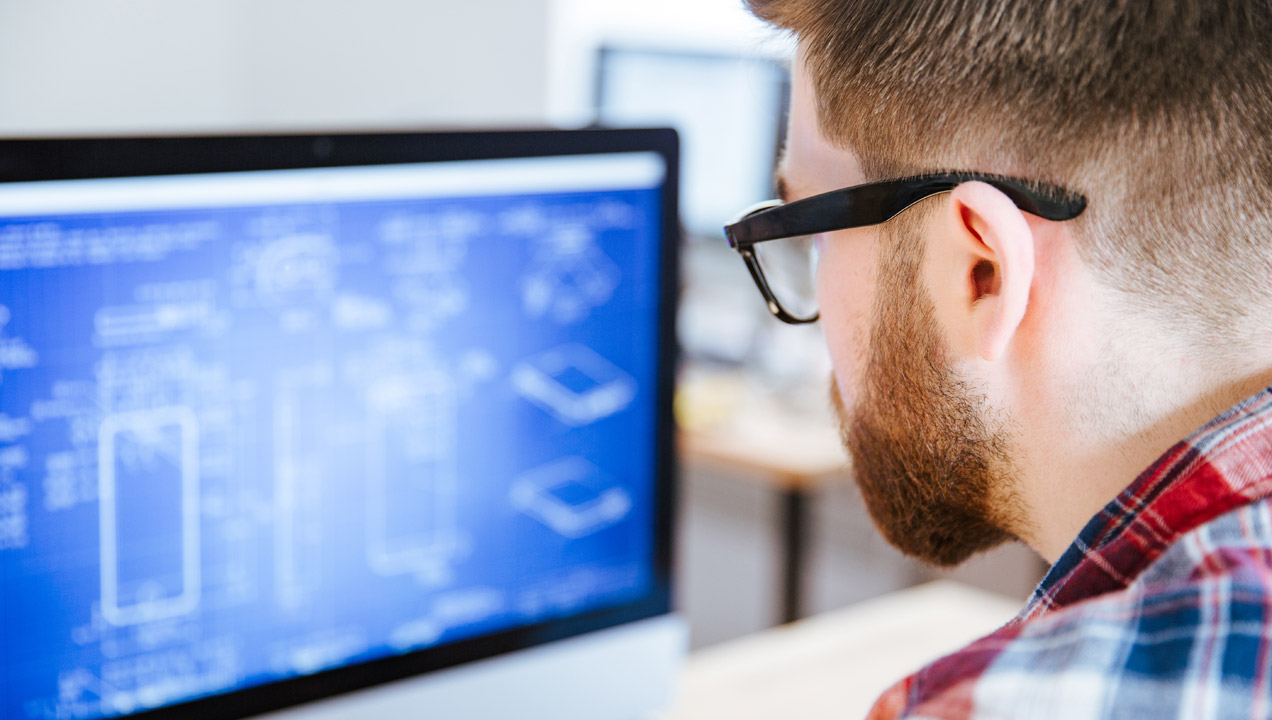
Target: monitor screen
{"type": "Point", "coordinates": [269, 424]}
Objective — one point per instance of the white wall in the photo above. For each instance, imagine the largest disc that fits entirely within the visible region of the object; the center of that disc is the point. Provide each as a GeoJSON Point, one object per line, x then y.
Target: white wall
{"type": "Point", "coordinates": [93, 66]}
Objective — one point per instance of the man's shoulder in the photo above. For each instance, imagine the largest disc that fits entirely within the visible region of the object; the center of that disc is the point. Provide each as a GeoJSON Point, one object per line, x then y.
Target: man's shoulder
{"type": "Point", "coordinates": [1235, 546]}
{"type": "Point", "coordinates": [1191, 632]}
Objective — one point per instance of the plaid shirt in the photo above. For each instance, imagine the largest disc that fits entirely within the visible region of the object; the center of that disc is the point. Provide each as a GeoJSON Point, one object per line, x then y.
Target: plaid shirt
{"type": "Point", "coordinates": [1161, 608]}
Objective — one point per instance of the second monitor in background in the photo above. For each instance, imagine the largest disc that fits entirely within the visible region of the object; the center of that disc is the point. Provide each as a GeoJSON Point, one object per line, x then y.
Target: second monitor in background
{"type": "Point", "coordinates": [730, 111]}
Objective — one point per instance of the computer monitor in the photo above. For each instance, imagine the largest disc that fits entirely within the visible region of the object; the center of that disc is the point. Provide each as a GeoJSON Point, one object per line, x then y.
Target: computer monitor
{"type": "Point", "coordinates": [730, 111]}
{"type": "Point", "coordinates": [379, 418]}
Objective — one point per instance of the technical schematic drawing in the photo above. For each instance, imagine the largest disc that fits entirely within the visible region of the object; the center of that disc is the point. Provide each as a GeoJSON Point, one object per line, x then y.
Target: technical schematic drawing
{"type": "Point", "coordinates": [411, 475]}
{"type": "Point", "coordinates": [13, 429]}
{"type": "Point", "coordinates": [148, 321]}
{"type": "Point", "coordinates": [317, 650]}
{"type": "Point", "coordinates": [14, 512]}
{"type": "Point", "coordinates": [132, 684]}
{"type": "Point", "coordinates": [157, 310]}
{"type": "Point", "coordinates": [616, 214]}
{"type": "Point", "coordinates": [417, 633]}
{"type": "Point", "coordinates": [292, 268]}
{"type": "Point", "coordinates": [354, 312]}
{"type": "Point", "coordinates": [572, 496]}
{"type": "Point", "coordinates": [246, 441]}
{"type": "Point", "coordinates": [299, 267]}
{"type": "Point", "coordinates": [568, 276]}
{"type": "Point", "coordinates": [453, 608]}
{"type": "Point", "coordinates": [424, 253]}
{"type": "Point", "coordinates": [432, 297]}
{"type": "Point", "coordinates": [148, 466]}
{"type": "Point", "coordinates": [15, 353]}
{"type": "Point", "coordinates": [574, 384]}
{"type": "Point", "coordinates": [300, 481]}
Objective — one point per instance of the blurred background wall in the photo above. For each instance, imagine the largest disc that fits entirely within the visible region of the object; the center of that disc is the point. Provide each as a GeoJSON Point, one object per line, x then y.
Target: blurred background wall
{"type": "Point", "coordinates": [144, 66]}
{"type": "Point", "coordinates": [82, 66]}
{"type": "Point", "coordinates": [125, 66]}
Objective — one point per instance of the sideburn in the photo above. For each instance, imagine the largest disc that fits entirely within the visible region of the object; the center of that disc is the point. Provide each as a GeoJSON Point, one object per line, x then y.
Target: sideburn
{"type": "Point", "coordinates": [931, 473]}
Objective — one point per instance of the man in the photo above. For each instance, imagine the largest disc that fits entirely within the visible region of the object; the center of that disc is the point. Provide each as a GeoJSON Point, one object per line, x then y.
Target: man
{"type": "Point", "coordinates": [1049, 316]}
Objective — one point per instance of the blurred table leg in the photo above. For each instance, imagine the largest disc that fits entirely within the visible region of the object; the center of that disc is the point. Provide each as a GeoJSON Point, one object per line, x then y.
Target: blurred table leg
{"type": "Point", "coordinates": [793, 521]}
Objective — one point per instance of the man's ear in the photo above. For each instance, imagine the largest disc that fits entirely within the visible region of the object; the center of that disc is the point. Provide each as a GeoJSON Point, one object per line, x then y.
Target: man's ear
{"type": "Point", "coordinates": [980, 270]}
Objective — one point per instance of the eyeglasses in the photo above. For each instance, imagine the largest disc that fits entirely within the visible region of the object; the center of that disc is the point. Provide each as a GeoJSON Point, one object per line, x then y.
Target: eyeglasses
{"type": "Point", "coordinates": [785, 271]}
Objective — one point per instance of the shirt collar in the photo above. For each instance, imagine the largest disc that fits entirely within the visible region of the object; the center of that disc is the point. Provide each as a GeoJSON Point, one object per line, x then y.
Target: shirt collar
{"type": "Point", "coordinates": [1224, 465]}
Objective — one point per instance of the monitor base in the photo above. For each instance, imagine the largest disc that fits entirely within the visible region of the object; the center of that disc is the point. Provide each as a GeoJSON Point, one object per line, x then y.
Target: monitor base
{"type": "Point", "coordinates": [623, 673]}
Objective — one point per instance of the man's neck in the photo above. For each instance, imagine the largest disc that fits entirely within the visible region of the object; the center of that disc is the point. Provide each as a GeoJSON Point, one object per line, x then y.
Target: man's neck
{"type": "Point", "coordinates": [1093, 443]}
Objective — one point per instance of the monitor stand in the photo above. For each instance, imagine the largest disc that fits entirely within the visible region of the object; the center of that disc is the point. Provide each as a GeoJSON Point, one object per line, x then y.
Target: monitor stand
{"type": "Point", "coordinates": [622, 673]}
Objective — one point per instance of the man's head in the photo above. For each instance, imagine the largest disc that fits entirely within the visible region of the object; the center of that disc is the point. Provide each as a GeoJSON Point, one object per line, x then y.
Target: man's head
{"type": "Point", "coordinates": [975, 346]}
{"type": "Point", "coordinates": [1158, 112]}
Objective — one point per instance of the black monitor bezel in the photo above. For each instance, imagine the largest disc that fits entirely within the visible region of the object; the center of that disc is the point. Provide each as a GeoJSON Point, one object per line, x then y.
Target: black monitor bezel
{"type": "Point", "coordinates": [42, 159]}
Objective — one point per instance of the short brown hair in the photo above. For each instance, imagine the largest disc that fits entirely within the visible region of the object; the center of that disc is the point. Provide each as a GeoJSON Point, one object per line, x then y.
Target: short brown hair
{"type": "Point", "coordinates": [1159, 112]}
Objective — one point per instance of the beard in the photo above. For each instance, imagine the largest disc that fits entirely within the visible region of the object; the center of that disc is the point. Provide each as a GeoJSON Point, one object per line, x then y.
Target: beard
{"type": "Point", "coordinates": [934, 475]}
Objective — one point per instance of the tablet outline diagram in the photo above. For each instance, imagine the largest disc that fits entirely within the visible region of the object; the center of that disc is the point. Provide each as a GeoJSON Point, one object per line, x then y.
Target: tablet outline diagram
{"type": "Point", "coordinates": [430, 396]}
{"type": "Point", "coordinates": [144, 423]}
{"type": "Point", "coordinates": [532, 494]}
{"type": "Point", "coordinates": [538, 379]}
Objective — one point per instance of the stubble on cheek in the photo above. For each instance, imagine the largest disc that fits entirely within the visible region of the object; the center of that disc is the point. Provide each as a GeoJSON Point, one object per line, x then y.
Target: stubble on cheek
{"type": "Point", "coordinates": [931, 472]}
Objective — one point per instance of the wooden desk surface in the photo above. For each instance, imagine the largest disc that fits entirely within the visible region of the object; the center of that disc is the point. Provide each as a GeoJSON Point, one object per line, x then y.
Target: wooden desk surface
{"type": "Point", "coordinates": [726, 421]}
{"type": "Point", "coordinates": [835, 665]}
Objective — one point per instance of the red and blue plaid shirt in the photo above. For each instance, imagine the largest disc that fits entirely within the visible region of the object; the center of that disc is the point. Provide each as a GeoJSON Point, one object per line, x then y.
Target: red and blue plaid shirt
{"type": "Point", "coordinates": [1161, 608]}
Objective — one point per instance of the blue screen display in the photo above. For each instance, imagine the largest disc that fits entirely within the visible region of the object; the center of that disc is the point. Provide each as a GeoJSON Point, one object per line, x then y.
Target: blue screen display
{"type": "Point", "coordinates": [248, 441]}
